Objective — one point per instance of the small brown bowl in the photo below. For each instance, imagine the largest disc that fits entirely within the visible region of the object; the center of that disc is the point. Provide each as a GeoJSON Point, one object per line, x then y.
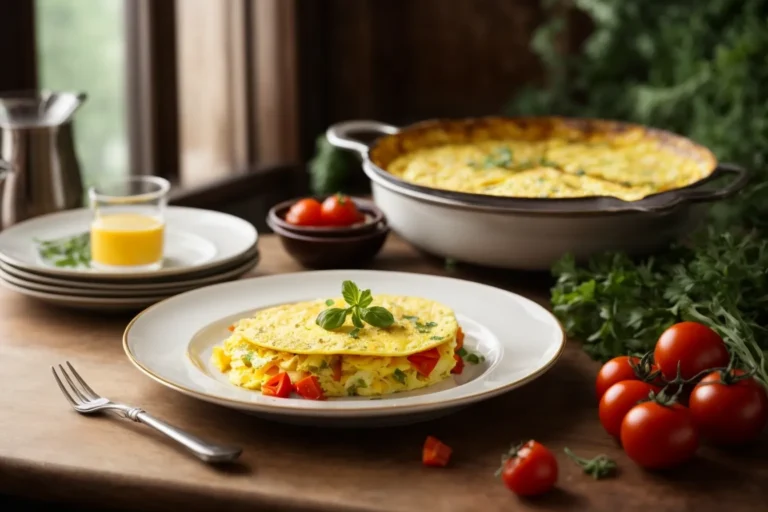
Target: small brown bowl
{"type": "Point", "coordinates": [374, 219]}
{"type": "Point", "coordinates": [332, 252]}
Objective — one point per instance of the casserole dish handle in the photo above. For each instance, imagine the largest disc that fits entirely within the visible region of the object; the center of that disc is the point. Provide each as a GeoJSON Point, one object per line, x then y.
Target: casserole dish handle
{"type": "Point", "coordinates": [340, 134]}
{"type": "Point", "coordinates": [698, 195]}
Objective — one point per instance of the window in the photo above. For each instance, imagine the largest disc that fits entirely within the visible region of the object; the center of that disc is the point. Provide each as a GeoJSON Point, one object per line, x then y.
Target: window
{"type": "Point", "coordinates": [81, 46]}
{"type": "Point", "coordinates": [194, 90]}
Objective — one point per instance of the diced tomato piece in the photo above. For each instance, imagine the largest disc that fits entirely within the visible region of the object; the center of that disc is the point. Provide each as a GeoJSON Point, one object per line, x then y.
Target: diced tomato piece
{"type": "Point", "coordinates": [435, 453]}
{"type": "Point", "coordinates": [278, 386]}
{"type": "Point", "coordinates": [459, 339]}
{"type": "Point", "coordinates": [459, 366]}
{"type": "Point", "coordinates": [336, 367]}
{"type": "Point", "coordinates": [309, 388]}
{"type": "Point", "coordinates": [425, 362]}
{"type": "Point", "coordinates": [231, 328]}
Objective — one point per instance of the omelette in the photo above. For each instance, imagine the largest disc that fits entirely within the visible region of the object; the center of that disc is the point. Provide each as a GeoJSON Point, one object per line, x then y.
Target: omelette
{"type": "Point", "coordinates": [560, 163]}
{"type": "Point", "coordinates": [417, 350]}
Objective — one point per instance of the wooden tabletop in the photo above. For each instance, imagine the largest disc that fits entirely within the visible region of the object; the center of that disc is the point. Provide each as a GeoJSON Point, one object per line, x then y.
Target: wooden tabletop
{"type": "Point", "coordinates": [48, 451]}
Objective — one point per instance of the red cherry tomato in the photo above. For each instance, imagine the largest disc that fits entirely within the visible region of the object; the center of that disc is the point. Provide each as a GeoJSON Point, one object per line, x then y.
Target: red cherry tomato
{"type": "Point", "coordinates": [278, 386]}
{"type": "Point", "coordinates": [340, 210]}
{"type": "Point", "coordinates": [659, 436]}
{"type": "Point", "coordinates": [729, 411]}
{"type": "Point", "coordinates": [435, 453]}
{"type": "Point", "coordinates": [695, 346]}
{"type": "Point", "coordinates": [619, 399]}
{"type": "Point", "coordinates": [425, 362]}
{"type": "Point", "coordinates": [306, 212]}
{"type": "Point", "coordinates": [530, 469]}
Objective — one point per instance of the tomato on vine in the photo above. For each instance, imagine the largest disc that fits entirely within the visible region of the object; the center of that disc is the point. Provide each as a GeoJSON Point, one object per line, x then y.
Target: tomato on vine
{"type": "Point", "coordinates": [625, 368]}
{"type": "Point", "coordinates": [691, 346]}
{"type": "Point", "coordinates": [619, 399]}
{"type": "Point", "coordinates": [659, 434]}
{"type": "Point", "coordinates": [729, 407]}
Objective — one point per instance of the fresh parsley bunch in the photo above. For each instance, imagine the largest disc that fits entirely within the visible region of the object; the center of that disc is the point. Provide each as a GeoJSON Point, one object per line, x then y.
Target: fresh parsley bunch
{"type": "Point", "coordinates": [360, 309]}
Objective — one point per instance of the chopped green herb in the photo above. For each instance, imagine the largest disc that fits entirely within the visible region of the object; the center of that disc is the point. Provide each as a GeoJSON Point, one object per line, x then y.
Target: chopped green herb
{"type": "Point", "coordinates": [247, 358]}
{"type": "Point", "coordinates": [361, 383]}
{"type": "Point", "coordinates": [410, 318]}
{"type": "Point", "coordinates": [352, 390]}
{"type": "Point", "coordinates": [598, 467]}
{"type": "Point", "coordinates": [502, 157]}
{"type": "Point", "coordinates": [469, 356]}
{"type": "Point", "coordinates": [354, 332]}
{"type": "Point", "coordinates": [436, 338]}
{"type": "Point", "coordinates": [330, 302]}
{"type": "Point", "coordinates": [473, 358]}
{"type": "Point", "coordinates": [324, 364]}
{"type": "Point", "coordinates": [71, 251]}
{"type": "Point", "coordinates": [400, 376]}
{"type": "Point", "coordinates": [580, 172]}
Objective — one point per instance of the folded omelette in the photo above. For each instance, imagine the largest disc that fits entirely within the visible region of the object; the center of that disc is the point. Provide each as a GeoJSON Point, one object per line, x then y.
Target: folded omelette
{"type": "Point", "coordinates": [417, 350]}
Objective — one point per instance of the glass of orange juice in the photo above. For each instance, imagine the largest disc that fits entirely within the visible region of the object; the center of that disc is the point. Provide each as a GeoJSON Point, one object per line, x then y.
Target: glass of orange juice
{"type": "Point", "coordinates": [128, 227]}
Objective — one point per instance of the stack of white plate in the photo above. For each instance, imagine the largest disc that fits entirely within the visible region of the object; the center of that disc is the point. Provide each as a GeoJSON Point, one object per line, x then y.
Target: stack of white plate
{"type": "Point", "coordinates": [202, 247]}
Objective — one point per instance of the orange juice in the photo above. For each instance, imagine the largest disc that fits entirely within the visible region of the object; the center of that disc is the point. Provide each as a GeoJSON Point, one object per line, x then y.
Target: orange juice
{"type": "Point", "coordinates": [126, 240]}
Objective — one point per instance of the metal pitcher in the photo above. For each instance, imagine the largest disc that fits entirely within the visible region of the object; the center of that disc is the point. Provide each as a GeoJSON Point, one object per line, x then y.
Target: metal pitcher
{"type": "Point", "coordinates": [39, 169]}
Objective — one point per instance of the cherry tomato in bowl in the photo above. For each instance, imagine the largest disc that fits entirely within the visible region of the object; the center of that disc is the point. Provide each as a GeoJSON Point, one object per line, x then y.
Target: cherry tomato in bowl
{"type": "Point", "coordinates": [340, 210]}
{"type": "Point", "coordinates": [305, 212]}
{"type": "Point", "coordinates": [694, 346]}
{"type": "Point", "coordinates": [529, 469]}
{"type": "Point", "coordinates": [729, 408]}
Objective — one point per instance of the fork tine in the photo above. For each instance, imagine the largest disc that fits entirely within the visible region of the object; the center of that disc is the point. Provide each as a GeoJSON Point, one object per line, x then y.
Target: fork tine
{"type": "Point", "coordinates": [72, 385]}
{"type": "Point", "coordinates": [62, 388]}
{"type": "Point", "coordinates": [85, 386]}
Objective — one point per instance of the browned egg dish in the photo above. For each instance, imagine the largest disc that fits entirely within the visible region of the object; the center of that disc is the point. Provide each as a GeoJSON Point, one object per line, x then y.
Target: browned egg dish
{"type": "Point", "coordinates": [629, 168]}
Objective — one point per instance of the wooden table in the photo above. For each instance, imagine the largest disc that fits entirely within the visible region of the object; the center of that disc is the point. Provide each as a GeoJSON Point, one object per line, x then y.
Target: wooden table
{"type": "Point", "coordinates": [47, 451]}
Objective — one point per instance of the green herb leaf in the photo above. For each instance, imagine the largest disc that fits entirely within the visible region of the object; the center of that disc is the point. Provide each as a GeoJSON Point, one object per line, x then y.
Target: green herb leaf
{"type": "Point", "coordinates": [365, 299]}
{"type": "Point", "coordinates": [332, 318]}
{"type": "Point", "coordinates": [354, 332]}
{"type": "Point", "coordinates": [598, 467]}
{"type": "Point", "coordinates": [356, 321]}
{"type": "Point", "coordinates": [330, 302]}
{"type": "Point", "coordinates": [436, 338]}
{"type": "Point", "coordinates": [324, 364]}
{"type": "Point", "coordinates": [377, 316]}
{"type": "Point", "coordinates": [462, 353]}
{"type": "Point", "coordinates": [399, 376]}
{"type": "Point", "coordinates": [247, 358]}
{"type": "Point", "coordinates": [350, 292]}
{"type": "Point", "coordinates": [473, 358]}
{"type": "Point", "coordinates": [410, 318]}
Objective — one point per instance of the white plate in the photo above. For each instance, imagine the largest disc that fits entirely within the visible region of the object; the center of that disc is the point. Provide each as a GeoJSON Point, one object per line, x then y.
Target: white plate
{"type": "Point", "coordinates": [175, 284]}
{"type": "Point", "coordinates": [195, 239]}
{"type": "Point", "coordinates": [172, 341]}
{"type": "Point", "coordinates": [112, 291]}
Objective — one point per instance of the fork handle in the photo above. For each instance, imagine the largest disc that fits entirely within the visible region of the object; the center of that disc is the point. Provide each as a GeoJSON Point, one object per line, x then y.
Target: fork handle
{"type": "Point", "coordinates": [204, 450]}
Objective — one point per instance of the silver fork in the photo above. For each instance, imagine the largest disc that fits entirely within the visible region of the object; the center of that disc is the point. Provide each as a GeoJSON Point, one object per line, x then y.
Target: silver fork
{"type": "Point", "coordinates": [86, 401]}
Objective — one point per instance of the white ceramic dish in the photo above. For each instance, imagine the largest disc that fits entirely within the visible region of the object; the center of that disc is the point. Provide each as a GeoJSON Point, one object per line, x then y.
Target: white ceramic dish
{"type": "Point", "coordinates": [196, 239]}
{"type": "Point", "coordinates": [527, 233]}
{"type": "Point", "coordinates": [172, 341]}
{"type": "Point", "coordinates": [115, 292]}
{"type": "Point", "coordinates": [177, 284]}
{"type": "Point", "coordinates": [88, 303]}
